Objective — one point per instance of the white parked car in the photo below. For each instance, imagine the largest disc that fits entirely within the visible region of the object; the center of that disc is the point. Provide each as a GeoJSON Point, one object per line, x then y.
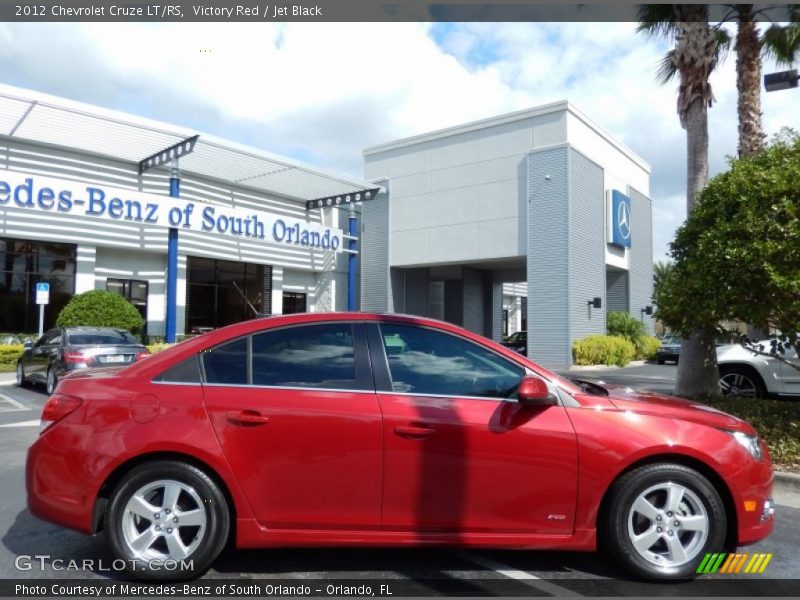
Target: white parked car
{"type": "Point", "coordinates": [747, 375]}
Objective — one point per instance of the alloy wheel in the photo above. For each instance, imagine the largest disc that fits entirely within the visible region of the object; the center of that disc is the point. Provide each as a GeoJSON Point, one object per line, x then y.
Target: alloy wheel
{"type": "Point", "coordinates": [20, 375]}
{"type": "Point", "coordinates": [50, 383]}
{"type": "Point", "coordinates": [668, 525]}
{"type": "Point", "coordinates": [738, 385]}
{"type": "Point", "coordinates": [164, 520]}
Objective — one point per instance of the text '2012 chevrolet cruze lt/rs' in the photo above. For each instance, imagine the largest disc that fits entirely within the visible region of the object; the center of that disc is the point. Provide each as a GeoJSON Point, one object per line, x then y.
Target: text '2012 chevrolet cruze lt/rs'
{"type": "Point", "coordinates": [382, 430]}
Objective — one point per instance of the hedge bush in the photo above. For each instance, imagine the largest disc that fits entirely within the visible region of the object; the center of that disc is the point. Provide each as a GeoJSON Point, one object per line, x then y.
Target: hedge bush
{"type": "Point", "coordinates": [99, 308]}
{"type": "Point", "coordinates": [603, 350]}
{"type": "Point", "coordinates": [9, 353]}
{"type": "Point", "coordinates": [646, 347]}
{"type": "Point", "coordinates": [156, 348]}
{"type": "Point", "coordinates": [623, 324]}
{"type": "Point", "coordinates": [777, 422]}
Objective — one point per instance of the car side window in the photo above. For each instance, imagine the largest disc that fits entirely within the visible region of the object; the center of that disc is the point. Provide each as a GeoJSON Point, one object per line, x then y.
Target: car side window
{"type": "Point", "coordinates": [425, 361]}
{"type": "Point", "coordinates": [226, 364]}
{"type": "Point", "coordinates": [45, 339]}
{"type": "Point", "coordinates": [305, 356]}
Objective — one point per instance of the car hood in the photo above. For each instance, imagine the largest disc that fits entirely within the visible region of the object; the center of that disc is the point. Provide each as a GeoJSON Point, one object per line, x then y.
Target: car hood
{"type": "Point", "coordinates": [650, 403]}
{"type": "Point", "coordinates": [669, 347]}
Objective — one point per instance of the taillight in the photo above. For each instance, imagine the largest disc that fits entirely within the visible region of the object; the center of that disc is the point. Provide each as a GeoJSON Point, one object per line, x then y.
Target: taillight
{"type": "Point", "coordinates": [56, 408]}
{"type": "Point", "coordinates": [142, 355]}
{"type": "Point", "coordinates": [78, 359]}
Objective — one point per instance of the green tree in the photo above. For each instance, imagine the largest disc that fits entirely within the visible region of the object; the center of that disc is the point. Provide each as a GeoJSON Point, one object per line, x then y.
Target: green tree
{"type": "Point", "coordinates": [661, 270]}
{"type": "Point", "coordinates": [696, 53]}
{"type": "Point", "coordinates": [99, 308]}
{"type": "Point", "coordinates": [737, 257]}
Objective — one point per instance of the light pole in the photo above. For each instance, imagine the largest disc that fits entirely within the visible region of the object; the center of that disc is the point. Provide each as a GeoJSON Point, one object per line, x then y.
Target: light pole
{"type": "Point", "coordinates": [784, 80]}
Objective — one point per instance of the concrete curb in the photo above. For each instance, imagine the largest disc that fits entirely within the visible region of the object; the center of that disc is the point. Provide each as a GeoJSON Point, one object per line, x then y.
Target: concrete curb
{"type": "Point", "coordinates": [787, 482]}
{"type": "Point", "coordinates": [635, 363]}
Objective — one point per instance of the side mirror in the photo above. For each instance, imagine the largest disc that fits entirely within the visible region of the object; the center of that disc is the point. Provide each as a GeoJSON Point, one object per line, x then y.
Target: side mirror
{"type": "Point", "coordinates": [27, 346]}
{"type": "Point", "coordinates": [533, 391]}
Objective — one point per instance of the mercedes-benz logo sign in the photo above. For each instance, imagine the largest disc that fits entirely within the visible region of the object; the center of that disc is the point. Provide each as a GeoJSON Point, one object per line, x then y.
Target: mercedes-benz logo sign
{"type": "Point", "coordinates": [624, 220]}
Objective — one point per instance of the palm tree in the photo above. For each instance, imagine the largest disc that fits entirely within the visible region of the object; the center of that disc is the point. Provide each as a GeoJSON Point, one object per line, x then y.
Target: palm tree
{"type": "Point", "coordinates": [779, 42]}
{"type": "Point", "coordinates": [696, 53]}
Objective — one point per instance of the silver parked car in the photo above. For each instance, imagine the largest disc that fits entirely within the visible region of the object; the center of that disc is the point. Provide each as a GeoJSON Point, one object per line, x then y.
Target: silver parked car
{"type": "Point", "coordinates": [747, 375]}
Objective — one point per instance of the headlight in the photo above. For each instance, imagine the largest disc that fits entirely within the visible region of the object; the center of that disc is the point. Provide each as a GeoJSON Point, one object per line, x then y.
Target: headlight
{"type": "Point", "coordinates": [751, 443]}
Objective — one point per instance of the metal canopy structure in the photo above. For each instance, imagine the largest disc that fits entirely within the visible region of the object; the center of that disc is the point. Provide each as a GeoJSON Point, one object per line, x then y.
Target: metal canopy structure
{"type": "Point", "coordinates": [46, 119]}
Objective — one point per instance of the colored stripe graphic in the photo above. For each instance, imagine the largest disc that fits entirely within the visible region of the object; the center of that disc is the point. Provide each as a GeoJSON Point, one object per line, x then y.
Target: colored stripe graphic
{"type": "Point", "coordinates": [724, 562]}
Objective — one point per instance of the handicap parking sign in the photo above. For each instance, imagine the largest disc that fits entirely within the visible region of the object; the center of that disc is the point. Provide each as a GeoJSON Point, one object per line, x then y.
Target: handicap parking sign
{"type": "Point", "coordinates": [42, 292]}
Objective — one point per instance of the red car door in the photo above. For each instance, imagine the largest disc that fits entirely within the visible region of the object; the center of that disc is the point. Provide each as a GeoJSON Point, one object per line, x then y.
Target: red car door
{"type": "Point", "coordinates": [297, 417]}
{"type": "Point", "coordinates": [461, 454]}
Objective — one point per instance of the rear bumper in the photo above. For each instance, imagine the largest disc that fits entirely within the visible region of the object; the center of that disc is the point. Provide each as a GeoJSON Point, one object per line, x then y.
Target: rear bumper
{"type": "Point", "coordinates": [60, 487]}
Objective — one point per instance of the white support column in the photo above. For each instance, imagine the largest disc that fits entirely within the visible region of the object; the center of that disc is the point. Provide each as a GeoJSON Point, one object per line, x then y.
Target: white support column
{"type": "Point", "coordinates": [277, 290]}
{"type": "Point", "coordinates": [84, 269]}
{"type": "Point", "coordinates": [180, 296]}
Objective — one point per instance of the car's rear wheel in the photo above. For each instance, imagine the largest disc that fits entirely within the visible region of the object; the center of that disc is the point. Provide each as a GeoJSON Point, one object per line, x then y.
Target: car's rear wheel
{"type": "Point", "coordinates": [662, 519]}
{"type": "Point", "coordinates": [167, 520]}
{"type": "Point", "coordinates": [740, 382]}
{"type": "Point", "coordinates": [21, 380]}
{"type": "Point", "coordinates": [660, 361]}
{"type": "Point", "coordinates": [51, 381]}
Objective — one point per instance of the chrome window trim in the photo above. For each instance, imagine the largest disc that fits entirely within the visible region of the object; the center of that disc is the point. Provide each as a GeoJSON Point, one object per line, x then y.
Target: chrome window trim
{"type": "Point", "coordinates": [286, 387]}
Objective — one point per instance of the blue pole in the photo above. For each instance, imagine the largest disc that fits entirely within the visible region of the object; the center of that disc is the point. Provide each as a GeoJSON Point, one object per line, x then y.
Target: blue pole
{"type": "Point", "coordinates": [351, 262]}
{"type": "Point", "coordinates": [172, 261]}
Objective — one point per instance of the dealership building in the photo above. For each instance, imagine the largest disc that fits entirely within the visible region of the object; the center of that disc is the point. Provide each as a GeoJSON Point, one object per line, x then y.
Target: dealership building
{"type": "Point", "coordinates": [238, 240]}
{"type": "Point", "coordinates": [535, 220]}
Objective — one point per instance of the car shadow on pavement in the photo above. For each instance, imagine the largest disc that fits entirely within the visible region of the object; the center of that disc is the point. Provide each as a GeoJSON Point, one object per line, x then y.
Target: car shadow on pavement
{"type": "Point", "coordinates": [44, 550]}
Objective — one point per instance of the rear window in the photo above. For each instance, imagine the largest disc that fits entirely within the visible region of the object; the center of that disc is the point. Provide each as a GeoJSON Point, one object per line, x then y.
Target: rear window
{"type": "Point", "coordinates": [80, 338]}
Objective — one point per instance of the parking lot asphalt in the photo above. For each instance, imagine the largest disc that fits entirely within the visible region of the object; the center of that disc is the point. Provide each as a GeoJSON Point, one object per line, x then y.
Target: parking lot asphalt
{"type": "Point", "coordinates": [436, 571]}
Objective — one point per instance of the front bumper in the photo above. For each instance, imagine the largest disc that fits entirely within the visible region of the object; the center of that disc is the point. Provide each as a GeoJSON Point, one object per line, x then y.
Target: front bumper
{"type": "Point", "coordinates": [755, 509]}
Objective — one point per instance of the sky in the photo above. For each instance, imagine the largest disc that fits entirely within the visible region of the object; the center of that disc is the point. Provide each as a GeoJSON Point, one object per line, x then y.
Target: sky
{"type": "Point", "coordinates": [322, 92]}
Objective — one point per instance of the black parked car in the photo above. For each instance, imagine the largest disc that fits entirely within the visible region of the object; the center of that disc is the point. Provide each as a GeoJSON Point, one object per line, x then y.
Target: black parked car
{"type": "Point", "coordinates": [518, 342]}
{"type": "Point", "coordinates": [68, 348]}
{"type": "Point", "coordinates": [670, 349]}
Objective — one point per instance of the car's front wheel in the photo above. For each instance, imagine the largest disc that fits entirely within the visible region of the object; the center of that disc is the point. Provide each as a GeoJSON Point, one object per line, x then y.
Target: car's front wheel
{"type": "Point", "coordinates": [167, 520]}
{"type": "Point", "coordinates": [662, 519]}
{"type": "Point", "coordinates": [51, 381]}
{"type": "Point", "coordinates": [21, 380]}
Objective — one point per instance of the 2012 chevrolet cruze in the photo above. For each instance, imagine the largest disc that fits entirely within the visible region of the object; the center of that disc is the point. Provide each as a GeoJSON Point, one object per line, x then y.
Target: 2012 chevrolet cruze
{"type": "Point", "coordinates": [383, 430]}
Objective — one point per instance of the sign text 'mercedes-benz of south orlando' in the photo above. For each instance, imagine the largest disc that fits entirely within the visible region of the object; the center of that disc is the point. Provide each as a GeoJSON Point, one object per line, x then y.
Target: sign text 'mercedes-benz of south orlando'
{"type": "Point", "coordinates": [59, 196]}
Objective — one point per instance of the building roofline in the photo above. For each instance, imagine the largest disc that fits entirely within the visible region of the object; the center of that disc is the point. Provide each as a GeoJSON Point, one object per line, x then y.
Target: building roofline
{"type": "Point", "coordinates": [537, 111]}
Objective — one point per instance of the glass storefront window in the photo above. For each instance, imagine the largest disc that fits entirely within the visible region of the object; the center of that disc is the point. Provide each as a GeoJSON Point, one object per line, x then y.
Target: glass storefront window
{"type": "Point", "coordinates": [222, 292]}
{"type": "Point", "coordinates": [23, 263]}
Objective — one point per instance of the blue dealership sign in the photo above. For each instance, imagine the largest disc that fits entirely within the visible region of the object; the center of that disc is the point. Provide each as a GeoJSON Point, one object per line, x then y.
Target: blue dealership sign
{"type": "Point", "coordinates": [620, 219]}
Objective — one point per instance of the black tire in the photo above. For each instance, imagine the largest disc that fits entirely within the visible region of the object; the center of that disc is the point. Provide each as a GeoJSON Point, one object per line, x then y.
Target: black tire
{"type": "Point", "coordinates": [51, 381]}
{"type": "Point", "coordinates": [746, 373]}
{"type": "Point", "coordinates": [212, 537]}
{"type": "Point", "coordinates": [660, 361]}
{"type": "Point", "coordinates": [21, 379]}
{"type": "Point", "coordinates": [619, 521]}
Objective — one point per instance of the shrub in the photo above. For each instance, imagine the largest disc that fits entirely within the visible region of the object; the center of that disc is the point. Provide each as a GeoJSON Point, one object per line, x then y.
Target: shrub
{"type": "Point", "coordinates": [646, 347]}
{"type": "Point", "coordinates": [622, 324]}
{"type": "Point", "coordinates": [158, 347]}
{"type": "Point", "coordinates": [99, 308]}
{"type": "Point", "coordinates": [603, 350]}
{"type": "Point", "coordinates": [9, 353]}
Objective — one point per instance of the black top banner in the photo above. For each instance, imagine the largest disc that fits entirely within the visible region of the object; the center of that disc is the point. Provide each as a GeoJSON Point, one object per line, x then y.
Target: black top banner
{"type": "Point", "coordinates": [251, 11]}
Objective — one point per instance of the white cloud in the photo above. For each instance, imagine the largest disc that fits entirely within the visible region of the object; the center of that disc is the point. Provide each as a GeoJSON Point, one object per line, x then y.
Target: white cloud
{"type": "Point", "coordinates": [324, 91]}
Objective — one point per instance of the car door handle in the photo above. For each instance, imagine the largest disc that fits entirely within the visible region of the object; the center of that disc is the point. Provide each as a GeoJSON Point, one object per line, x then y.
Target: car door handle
{"type": "Point", "coordinates": [414, 431]}
{"type": "Point", "coordinates": [247, 417]}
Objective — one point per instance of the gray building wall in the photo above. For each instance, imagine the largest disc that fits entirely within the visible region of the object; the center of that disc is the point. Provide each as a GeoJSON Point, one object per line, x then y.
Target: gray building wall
{"type": "Point", "coordinates": [548, 257]}
{"type": "Point", "coordinates": [641, 257]}
{"type": "Point", "coordinates": [374, 254]}
{"type": "Point", "coordinates": [587, 268]}
{"type": "Point", "coordinates": [474, 296]}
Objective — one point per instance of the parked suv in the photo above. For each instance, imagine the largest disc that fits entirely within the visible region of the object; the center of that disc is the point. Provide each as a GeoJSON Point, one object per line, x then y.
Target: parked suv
{"type": "Point", "coordinates": [747, 375]}
{"type": "Point", "coordinates": [65, 349]}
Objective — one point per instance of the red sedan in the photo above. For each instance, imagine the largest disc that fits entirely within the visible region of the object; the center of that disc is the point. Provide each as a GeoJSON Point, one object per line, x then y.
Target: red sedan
{"type": "Point", "coordinates": [383, 430]}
